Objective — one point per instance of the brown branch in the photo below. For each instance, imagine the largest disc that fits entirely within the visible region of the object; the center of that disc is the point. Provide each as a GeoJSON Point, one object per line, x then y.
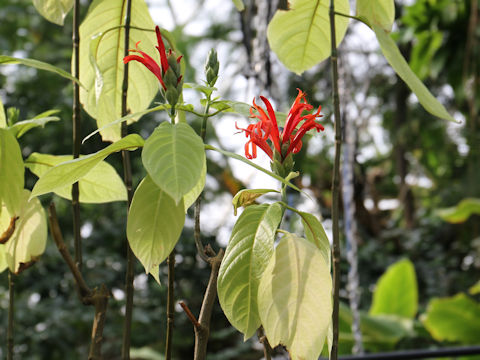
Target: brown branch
{"type": "Point", "coordinates": [98, 297]}
{"type": "Point", "coordinates": [189, 314]}
{"type": "Point", "coordinates": [267, 349]}
{"type": "Point", "coordinates": [7, 234]}
{"type": "Point", "coordinates": [76, 134]}
{"type": "Point", "coordinates": [170, 304]}
{"type": "Point", "coordinates": [11, 316]}
{"type": "Point", "coordinates": [335, 187]}
{"type": "Point", "coordinates": [202, 332]}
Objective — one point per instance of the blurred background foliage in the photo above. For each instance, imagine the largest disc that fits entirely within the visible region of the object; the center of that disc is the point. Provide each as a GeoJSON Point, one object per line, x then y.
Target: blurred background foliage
{"type": "Point", "coordinates": [408, 166]}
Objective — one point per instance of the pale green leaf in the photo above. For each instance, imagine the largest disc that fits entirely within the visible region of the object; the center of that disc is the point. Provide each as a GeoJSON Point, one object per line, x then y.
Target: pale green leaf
{"type": "Point", "coordinates": [174, 157]}
{"type": "Point", "coordinates": [461, 212]}
{"type": "Point", "coordinates": [154, 224]}
{"type": "Point", "coordinates": [30, 236]}
{"type": "Point", "coordinates": [454, 319]}
{"type": "Point", "coordinates": [247, 197]}
{"type": "Point", "coordinates": [5, 60]}
{"type": "Point", "coordinates": [11, 172]}
{"type": "Point", "coordinates": [3, 257]}
{"type": "Point", "coordinates": [3, 119]}
{"type": "Point", "coordinates": [69, 172]}
{"type": "Point", "coordinates": [475, 289]}
{"type": "Point", "coordinates": [239, 5]}
{"type": "Point", "coordinates": [396, 291]}
{"type": "Point", "coordinates": [248, 252]}
{"type": "Point", "coordinates": [400, 65]}
{"type": "Point", "coordinates": [315, 233]}
{"type": "Point", "coordinates": [20, 128]}
{"type": "Point", "coordinates": [53, 10]}
{"type": "Point", "coordinates": [294, 298]}
{"type": "Point", "coordinates": [300, 36]}
{"type": "Point", "coordinates": [101, 64]}
{"type": "Point", "coordinates": [380, 12]}
{"type": "Point", "coordinates": [100, 185]}
{"type": "Point", "coordinates": [190, 197]}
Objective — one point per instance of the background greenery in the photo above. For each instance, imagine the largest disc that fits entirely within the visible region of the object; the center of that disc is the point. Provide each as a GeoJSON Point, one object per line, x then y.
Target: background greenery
{"type": "Point", "coordinates": [437, 38]}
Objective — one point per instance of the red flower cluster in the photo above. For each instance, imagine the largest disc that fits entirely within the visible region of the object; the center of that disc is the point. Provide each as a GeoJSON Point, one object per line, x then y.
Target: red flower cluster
{"type": "Point", "coordinates": [158, 70]}
{"type": "Point", "coordinates": [266, 131]}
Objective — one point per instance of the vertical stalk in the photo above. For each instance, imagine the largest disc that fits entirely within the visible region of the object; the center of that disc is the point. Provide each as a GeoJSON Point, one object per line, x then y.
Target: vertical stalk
{"type": "Point", "coordinates": [127, 177]}
{"type": "Point", "coordinates": [76, 132]}
{"type": "Point", "coordinates": [11, 313]}
{"type": "Point", "coordinates": [335, 187]}
{"type": "Point", "coordinates": [170, 304]}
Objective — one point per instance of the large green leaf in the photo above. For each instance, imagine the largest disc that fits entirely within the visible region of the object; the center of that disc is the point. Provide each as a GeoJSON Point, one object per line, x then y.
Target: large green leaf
{"type": "Point", "coordinates": [400, 65]}
{"type": "Point", "coordinates": [174, 157]}
{"type": "Point", "coordinates": [301, 36]}
{"type": "Point", "coordinates": [461, 212]}
{"type": "Point", "coordinates": [190, 197]}
{"type": "Point", "coordinates": [101, 62]}
{"type": "Point", "coordinates": [454, 319]}
{"type": "Point", "coordinates": [294, 298]}
{"type": "Point", "coordinates": [6, 60]}
{"type": "Point", "coordinates": [315, 233]}
{"type": "Point", "coordinates": [54, 10]}
{"type": "Point", "coordinates": [396, 291]}
{"type": "Point", "coordinates": [248, 252]}
{"type": "Point", "coordinates": [3, 119]}
{"type": "Point", "coordinates": [30, 236]}
{"type": "Point", "coordinates": [11, 172]}
{"type": "Point", "coordinates": [100, 185]}
{"type": "Point", "coordinates": [154, 224]}
{"type": "Point", "coordinates": [20, 128]}
{"type": "Point", "coordinates": [71, 171]}
{"type": "Point", "coordinates": [380, 12]}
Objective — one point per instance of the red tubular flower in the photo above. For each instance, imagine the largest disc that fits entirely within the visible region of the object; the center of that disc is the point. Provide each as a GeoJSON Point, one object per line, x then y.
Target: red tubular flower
{"type": "Point", "coordinates": [159, 70]}
{"type": "Point", "coordinates": [290, 140]}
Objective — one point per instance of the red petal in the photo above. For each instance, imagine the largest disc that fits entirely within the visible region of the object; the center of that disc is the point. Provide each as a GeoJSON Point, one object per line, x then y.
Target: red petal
{"type": "Point", "coordinates": [161, 50]}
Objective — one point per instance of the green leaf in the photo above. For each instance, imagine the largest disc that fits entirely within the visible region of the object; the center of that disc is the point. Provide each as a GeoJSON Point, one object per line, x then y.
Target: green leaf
{"type": "Point", "coordinates": [204, 89]}
{"type": "Point", "coordinates": [54, 10]}
{"type": "Point", "coordinates": [461, 212]}
{"type": "Point", "coordinates": [475, 289]}
{"type": "Point", "coordinates": [423, 53]}
{"type": "Point", "coordinates": [20, 128]}
{"type": "Point", "coordinates": [6, 60]}
{"type": "Point", "coordinates": [101, 63]}
{"type": "Point", "coordinates": [315, 233]}
{"type": "Point", "coordinates": [294, 298]}
{"type": "Point", "coordinates": [400, 65]}
{"type": "Point", "coordinates": [11, 172]}
{"type": "Point", "coordinates": [100, 185]}
{"type": "Point", "coordinates": [3, 119]}
{"type": "Point", "coordinates": [30, 236]}
{"type": "Point", "coordinates": [154, 224]}
{"type": "Point", "coordinates": [396, 291]}
{"type": "Point", "coordinates": [301, 36]}
{"type": "Point", "coordinates": [174, 157]}
{"type": "Point", "coordinates": [190, 197]}
{"type": "Point", "coordinates": [453, 319]}
{"type": "Point", "coordinates": [69, 172]}
{"type": "Point", "coordinates": [239, 5]}
{"type": "Point", "coordinates": [246, 161]}
{"type": "Point", "coordinates": [248, 252]}
{"type": "Point", "coordinates": [379, 12]}
{"type": "Point", "coordinates": [247, 197]}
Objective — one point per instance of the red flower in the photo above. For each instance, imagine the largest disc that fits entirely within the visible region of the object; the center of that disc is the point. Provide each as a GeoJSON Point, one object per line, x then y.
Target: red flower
{"type": "Point", "coordinates": [158, 70]}
{"type": "Point", "coordinates": [265, 133]}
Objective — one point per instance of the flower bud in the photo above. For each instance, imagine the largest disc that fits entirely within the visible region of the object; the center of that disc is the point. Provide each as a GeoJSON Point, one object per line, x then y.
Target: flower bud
{"type": "Point", "coordinates": [211, 67]}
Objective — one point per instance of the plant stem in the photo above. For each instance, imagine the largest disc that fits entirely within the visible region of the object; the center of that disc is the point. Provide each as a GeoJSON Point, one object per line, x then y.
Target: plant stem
{"type": "Point", "coordinates": [267, 349]}
{"type": "Point", "coordinates": [127, 178]}
{"type": "Point", "coordinates": [197, 233]}
{"type": "Point", "coordinates": [335, 187]}
{"type": "Point", "coordinates": [170, 304]}
{"type": "Point", "coordinates": [11, 314]}
{"type": "Point", "coordinates": [202, 332]}
{"type": "Point", "coordinates": [77, 122]}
